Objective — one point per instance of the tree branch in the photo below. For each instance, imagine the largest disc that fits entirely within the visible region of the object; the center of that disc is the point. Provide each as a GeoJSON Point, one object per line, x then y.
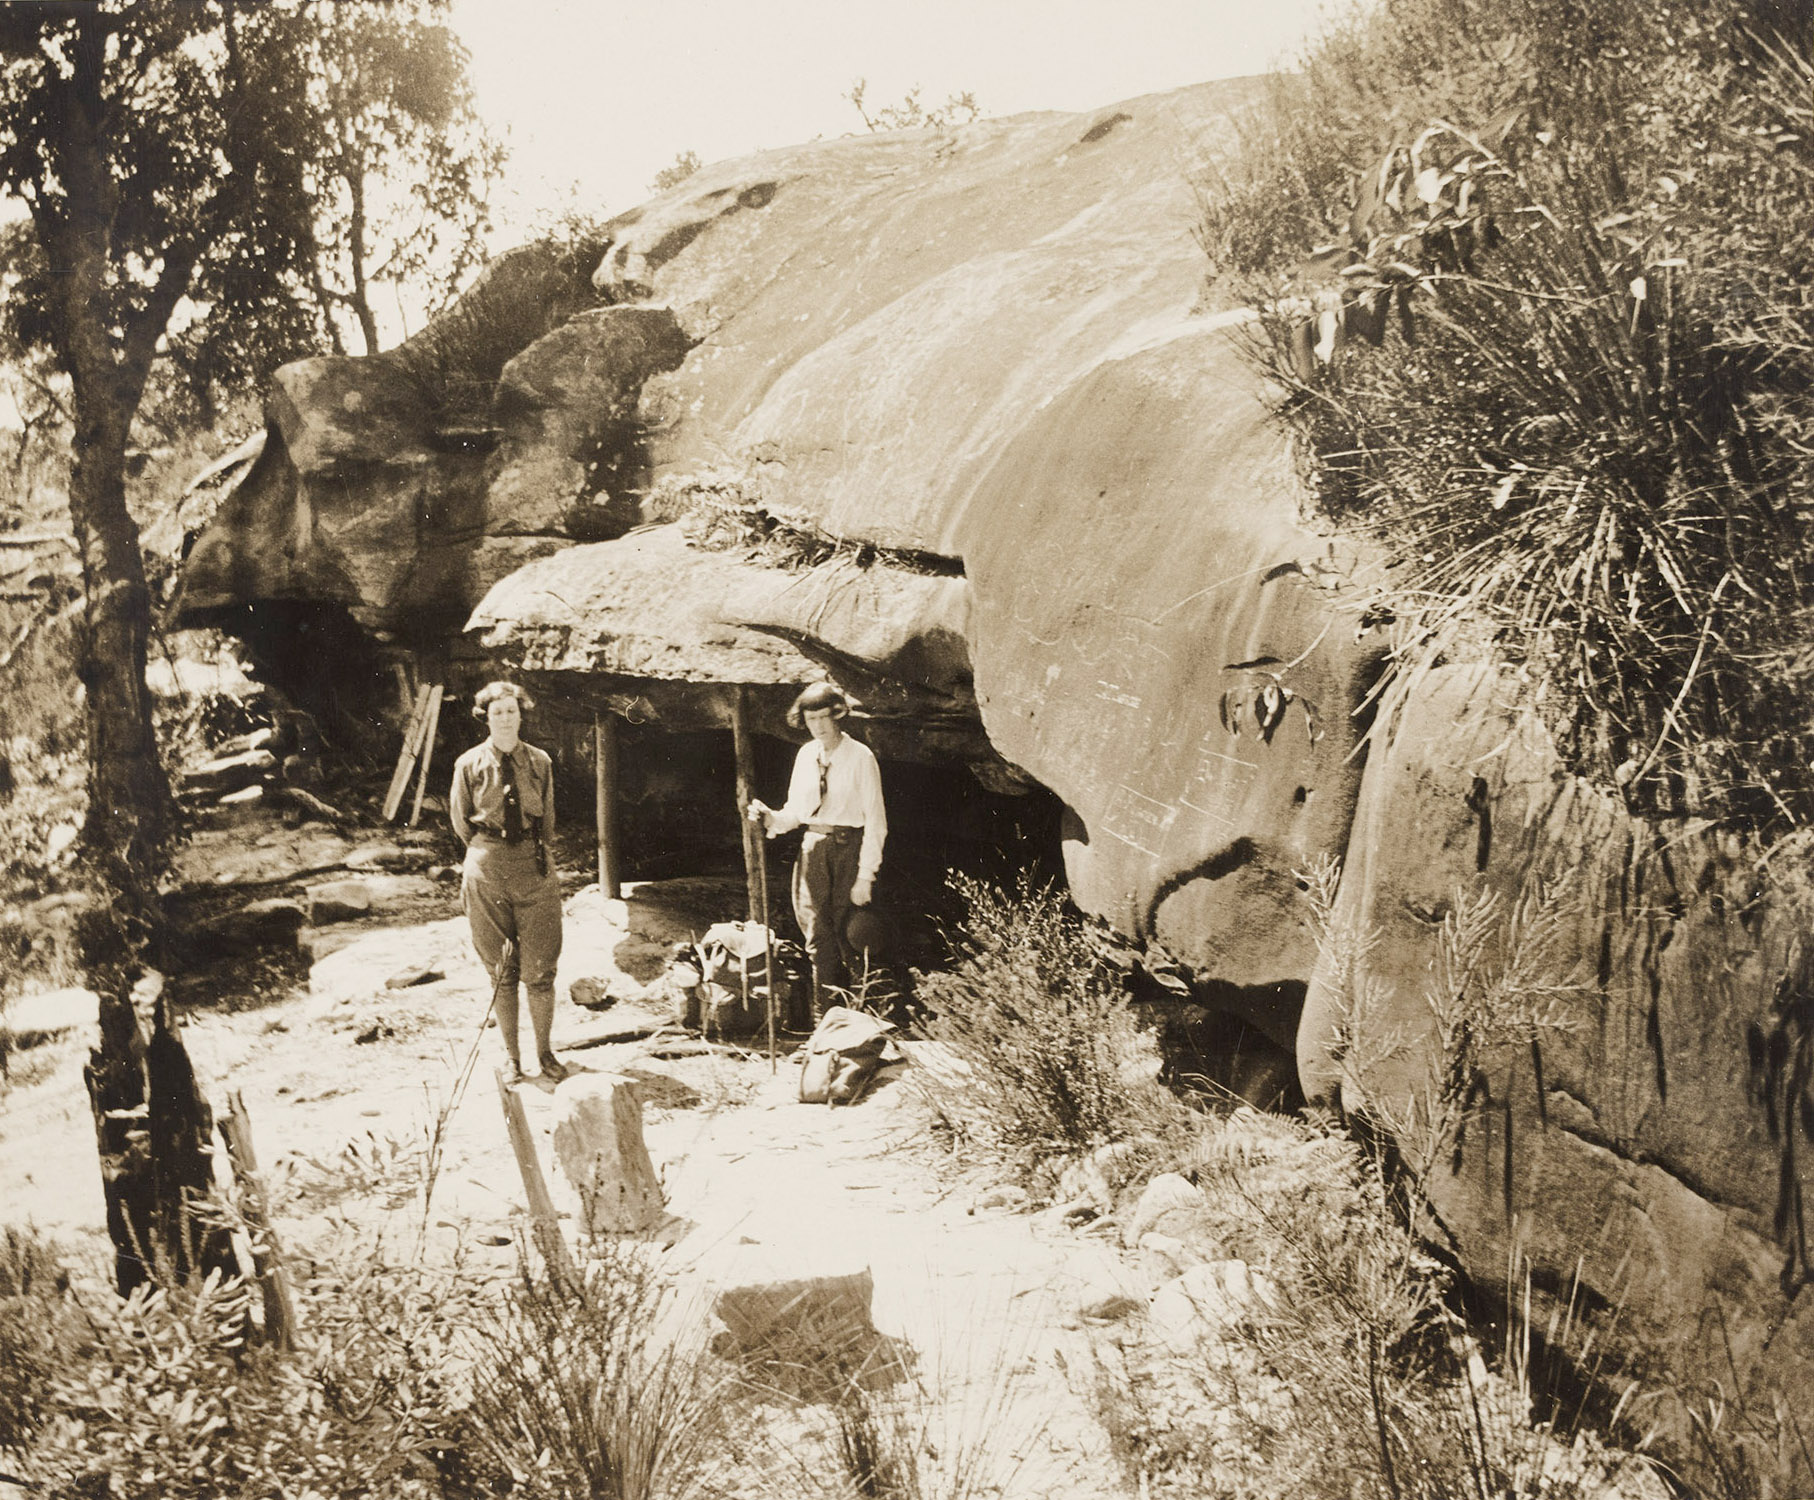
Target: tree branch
{"type": "Point", "coordinates": [145, 329]}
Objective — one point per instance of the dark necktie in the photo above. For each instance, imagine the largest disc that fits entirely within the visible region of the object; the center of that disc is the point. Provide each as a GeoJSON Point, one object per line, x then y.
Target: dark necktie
{"type": "Point", "coordinates": [513, 803]}
{"type": "Point", "coordinates": [824, 780]}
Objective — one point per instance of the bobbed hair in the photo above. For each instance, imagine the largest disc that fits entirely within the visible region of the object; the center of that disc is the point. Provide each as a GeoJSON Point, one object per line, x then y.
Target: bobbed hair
{"type": "Point", "coordinates": [816, 699]}
{"type": "Point", "coordinates": [492, 691]}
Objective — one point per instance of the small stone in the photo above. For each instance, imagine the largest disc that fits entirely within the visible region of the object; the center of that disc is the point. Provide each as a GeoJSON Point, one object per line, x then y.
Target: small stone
{"type": "Point", "coordinates": [1006, 1195]}
{"type": "Point", "coordinates": [409, 978]}
{"type": "Point", "coordinates": [337, 901]}
{"type": "Point", "coordinates": [1107, 1301]}
{"type": "Point", "coordinates": [1205, 1300]}
{"type": "Point", "coordinates": [244, 795]}
{"type": "Point", "coordinates": [1166, 1199]}
{"type": "Point", "coordinates": [593, 994]}
{"type": "Point", "coordinates": [1169, 1257]}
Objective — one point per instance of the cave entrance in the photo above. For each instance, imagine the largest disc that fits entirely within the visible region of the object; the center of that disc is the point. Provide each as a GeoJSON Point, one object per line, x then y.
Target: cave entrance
{"type": "Point", "coordinates": [677, 817]}
{"type": "Point", "coordinates": [324, 662]}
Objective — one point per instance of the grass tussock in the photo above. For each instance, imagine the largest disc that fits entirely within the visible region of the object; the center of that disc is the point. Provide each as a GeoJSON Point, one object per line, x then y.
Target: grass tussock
{"type": "Point", "coordinates": [1534, 277]}
{"type": "Point", "coordinates": [602, 1388]}
{"type": "Point", "coordinates": [1038, 1055]}
{"type": "Point", "coordinates": [1346, 1371]}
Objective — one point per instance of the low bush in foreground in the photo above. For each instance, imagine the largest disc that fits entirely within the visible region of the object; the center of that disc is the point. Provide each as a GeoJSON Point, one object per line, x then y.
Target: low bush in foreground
{"type": "Point", "coordinates": [1348, 1373]}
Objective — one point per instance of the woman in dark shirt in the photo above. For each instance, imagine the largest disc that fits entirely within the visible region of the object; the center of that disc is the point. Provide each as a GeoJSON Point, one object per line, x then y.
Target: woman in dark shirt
{"type": "Point", "coordinates": [502, 806]}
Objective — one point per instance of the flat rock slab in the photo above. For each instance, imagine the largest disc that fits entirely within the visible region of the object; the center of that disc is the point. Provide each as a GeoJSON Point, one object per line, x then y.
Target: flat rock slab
{"type": "Point", "coordinates": [49, 1011]}
{"type": "Point", "coordinates": [338, 901]}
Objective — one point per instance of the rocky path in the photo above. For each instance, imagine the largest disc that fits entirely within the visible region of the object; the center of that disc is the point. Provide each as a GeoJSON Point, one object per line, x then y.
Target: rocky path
{"type": "Point", "coordinates": [350, 1083]}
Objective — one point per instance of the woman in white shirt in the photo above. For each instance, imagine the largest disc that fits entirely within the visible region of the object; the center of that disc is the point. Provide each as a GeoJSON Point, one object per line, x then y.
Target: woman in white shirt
{"type": "Point", "coordinates": [836, 795]}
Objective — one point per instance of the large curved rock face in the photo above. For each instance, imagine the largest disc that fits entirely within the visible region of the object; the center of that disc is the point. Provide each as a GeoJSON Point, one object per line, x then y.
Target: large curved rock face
{"type": "Point", "coordinates": [987, 347]}
{"type": "Point", "coordinates": [1643, 1107]}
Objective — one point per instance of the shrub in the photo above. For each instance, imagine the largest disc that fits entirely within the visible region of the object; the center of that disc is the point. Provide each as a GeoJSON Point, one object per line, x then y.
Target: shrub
{"type": "Point", "coordinates": [1349, 1373]}
{"type": "Point", "coordinates": [1049, 1060]}
{"type": "Point", "coordinates": [1555, 351]}
{"type": "Point", "coordinates": [162, 1395]}
{"type": "Point", "coordinates": [600, 1388]}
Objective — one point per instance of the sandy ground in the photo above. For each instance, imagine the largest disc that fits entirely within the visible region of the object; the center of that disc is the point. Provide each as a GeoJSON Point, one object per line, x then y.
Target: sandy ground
{"type": "Point", "coordinates": [345, 1081]}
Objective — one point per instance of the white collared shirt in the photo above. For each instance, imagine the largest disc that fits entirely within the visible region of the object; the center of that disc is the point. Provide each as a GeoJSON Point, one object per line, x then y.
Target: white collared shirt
{"type": "Point", "coordinates": [853, 797]}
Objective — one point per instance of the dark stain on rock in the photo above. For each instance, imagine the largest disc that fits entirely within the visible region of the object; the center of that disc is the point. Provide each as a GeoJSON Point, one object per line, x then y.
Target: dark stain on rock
{"type": "Point", "coordinates": [1225, 861]}
{"type": "Point", "coordinates": [1537, 1079]}
{"type": "Point", "coordinates": [673, 242]}
{"type": "Point", "coordinates": [1781, 1076]}
{"type": "Point", "coordinates": [1103, 126]}
{"type": "Point", "coordinates": [1480, 803]}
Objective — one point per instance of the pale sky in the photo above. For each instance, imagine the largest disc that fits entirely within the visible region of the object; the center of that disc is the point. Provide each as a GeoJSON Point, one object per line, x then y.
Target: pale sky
{"type": "Point", "coordinates": [603, 95]}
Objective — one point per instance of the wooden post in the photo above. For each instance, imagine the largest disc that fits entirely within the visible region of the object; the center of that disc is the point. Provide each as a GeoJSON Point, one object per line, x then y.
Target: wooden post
{"type": "Point", "coordinates": [267, 1251]}
{"type": "Point", "coordinates": [406, 759]}
{"type": "Point", "coordinates": [605, 775]}
{"type": "Point", "coordinates": [746, 782]}
{"type": "Point", "coordinates": [545, 1224]}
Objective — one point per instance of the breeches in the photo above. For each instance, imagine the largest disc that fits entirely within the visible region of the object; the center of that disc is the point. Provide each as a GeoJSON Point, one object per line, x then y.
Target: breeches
{"type": "Point", "coordinates": [826, 871]}
{"type": "Point", "coordinates": [507, 896]}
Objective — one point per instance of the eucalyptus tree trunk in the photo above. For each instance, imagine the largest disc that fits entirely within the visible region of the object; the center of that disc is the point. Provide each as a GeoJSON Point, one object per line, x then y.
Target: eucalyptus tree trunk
{"type": "Point", "coordinates": [151, 1123]}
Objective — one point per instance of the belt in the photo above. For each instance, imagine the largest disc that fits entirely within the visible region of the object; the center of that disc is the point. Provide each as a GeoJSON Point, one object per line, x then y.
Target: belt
{"type": "Point", "coordinates": [483, 835]}
{"type": "Point", "coordinates": [845, 828]}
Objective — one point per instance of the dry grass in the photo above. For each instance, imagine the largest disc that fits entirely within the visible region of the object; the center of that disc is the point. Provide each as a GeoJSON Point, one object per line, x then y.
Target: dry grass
{"type": "Point", "coordinates": [1348, 1372]}
{"type": "Point", "coordinates": [605, 1388]}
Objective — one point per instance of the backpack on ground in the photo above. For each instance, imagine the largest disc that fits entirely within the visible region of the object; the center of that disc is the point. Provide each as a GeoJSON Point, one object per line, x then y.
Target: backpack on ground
{"type": "Point", "coordinates": [846, 1048]}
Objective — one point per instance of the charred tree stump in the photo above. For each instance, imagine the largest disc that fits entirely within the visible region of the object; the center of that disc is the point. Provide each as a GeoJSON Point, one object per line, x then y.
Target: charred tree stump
{"type": "Point", "coordinates": [151, 1130]}
{"type": "Point", "coordinates": [180, 1127]}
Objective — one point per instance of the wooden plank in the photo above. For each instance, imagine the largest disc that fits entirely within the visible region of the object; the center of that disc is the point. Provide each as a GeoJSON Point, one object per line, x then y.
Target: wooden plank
{"type": "Point", "coordinates": [427, 754]}
{"type": "Point", "coordinates": [406, 759]}
{"type": "Point", "coordinates": [545, 1224]}
{"type": "Point", "coordinates": [267, 1251]}
{"type": "Point", "coordinates": [605, 779]}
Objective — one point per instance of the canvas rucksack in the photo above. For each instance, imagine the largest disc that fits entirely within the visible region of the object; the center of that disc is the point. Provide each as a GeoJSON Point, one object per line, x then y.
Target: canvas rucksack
{"type": "Point", "coordinates": [846, 1048]}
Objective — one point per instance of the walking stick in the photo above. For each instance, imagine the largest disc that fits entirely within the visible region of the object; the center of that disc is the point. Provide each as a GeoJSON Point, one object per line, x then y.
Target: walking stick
{"type": "Point", "coordinates": [768, 936]}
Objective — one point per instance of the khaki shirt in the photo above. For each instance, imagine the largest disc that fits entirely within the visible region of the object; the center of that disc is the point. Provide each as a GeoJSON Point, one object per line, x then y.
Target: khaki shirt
{"type": "Point", "coordinates": [476, 802]}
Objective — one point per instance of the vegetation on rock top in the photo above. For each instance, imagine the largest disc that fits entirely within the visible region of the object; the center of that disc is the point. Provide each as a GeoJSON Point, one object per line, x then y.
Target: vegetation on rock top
{"type": "Point", "coordinates": [1535, 280]}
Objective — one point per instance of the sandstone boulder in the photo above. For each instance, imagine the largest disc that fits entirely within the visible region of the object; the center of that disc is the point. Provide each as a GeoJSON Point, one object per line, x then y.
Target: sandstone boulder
{"type": "Point", "coordinates": [805, 1327]}
{"type": "Point", "coordinates": [1198, 1306]}
{"type": "Point", "coordinates": [1170, 1204]}
{"type": "Point", "coordinates": [1623, 1137]}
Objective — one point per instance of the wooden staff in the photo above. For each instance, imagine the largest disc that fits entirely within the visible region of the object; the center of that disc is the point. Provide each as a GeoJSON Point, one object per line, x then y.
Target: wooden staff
{"type": "Point", "coordinates": [768, 937]}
